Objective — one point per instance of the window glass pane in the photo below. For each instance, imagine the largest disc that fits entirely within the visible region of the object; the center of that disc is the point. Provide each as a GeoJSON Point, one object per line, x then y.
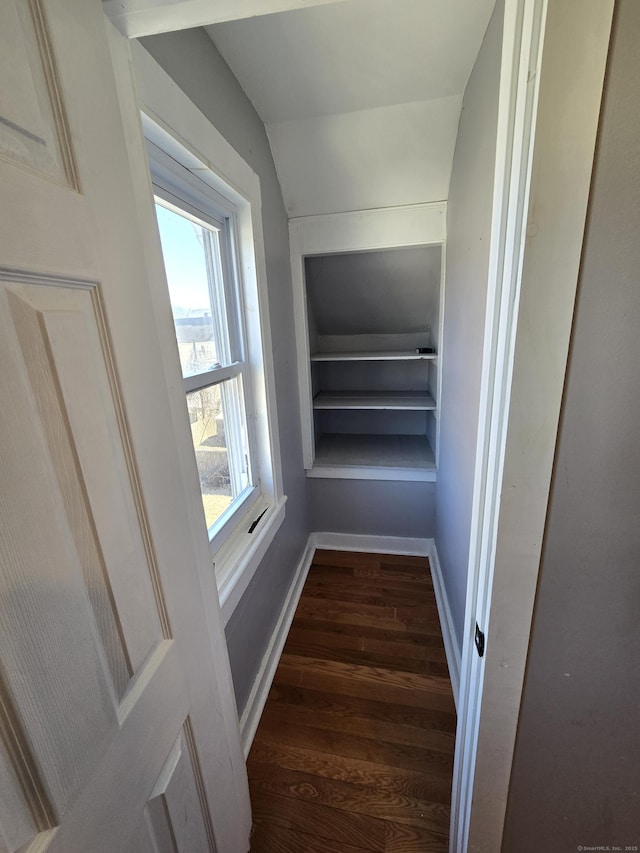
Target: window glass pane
{"type": "Point", "coordinates": [218, 428]}
{"type": "Point", "coordinates": [191, 254]}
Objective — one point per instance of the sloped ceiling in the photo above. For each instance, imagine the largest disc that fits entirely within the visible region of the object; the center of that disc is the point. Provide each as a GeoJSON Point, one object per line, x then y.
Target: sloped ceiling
{"type": "Point", "coordinates": [361, 99]}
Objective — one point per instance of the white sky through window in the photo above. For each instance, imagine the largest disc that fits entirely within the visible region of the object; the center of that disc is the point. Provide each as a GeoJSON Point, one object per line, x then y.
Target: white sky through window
{"type": "Point", "coordinates": [184, 262]}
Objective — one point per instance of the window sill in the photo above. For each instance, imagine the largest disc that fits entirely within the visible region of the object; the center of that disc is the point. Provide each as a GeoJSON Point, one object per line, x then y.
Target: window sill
{"type": "Point", "coordinates": [236, 561]}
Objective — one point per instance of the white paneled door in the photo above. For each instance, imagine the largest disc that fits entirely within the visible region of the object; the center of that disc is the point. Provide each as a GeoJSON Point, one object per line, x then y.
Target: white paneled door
{"type": "Point", "coordinates": [117, 722]}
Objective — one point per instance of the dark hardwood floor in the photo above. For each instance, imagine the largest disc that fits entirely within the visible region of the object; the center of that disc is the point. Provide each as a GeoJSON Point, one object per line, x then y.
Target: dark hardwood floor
{"type": "Point", "coordinates": [354, 751]}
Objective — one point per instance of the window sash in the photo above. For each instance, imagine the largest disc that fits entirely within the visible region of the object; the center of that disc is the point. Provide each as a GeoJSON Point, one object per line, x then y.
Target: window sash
{"type": "Point", "coordinates": [227, 305]}
{"type": "Point", "coordinates": [227, 298]}
{"type": "Point", "coordinates": [220, 439]}
{"type": "Point", "coordinates": [213, 376]}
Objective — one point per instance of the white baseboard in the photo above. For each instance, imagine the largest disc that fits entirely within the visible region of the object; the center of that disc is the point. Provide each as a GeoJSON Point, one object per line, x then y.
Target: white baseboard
{"type": "Point", "coordinates": [262, 684]}
{"type": "Point", "coordinates": [375, 544]}
{"type": "Point", "coordinates": [451, 647]}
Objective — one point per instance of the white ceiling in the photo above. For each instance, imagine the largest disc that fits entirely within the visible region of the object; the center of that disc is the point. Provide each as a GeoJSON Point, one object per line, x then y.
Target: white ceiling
{"type": "Point", "coordinates": [361, 98]}
{"type": "Point", "coordinates": [367, 159]}
{"type": "Point", "coordinates": [352, 56]}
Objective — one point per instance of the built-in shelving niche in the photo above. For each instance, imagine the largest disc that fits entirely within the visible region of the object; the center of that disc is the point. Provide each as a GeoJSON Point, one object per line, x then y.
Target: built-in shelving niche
{"type": "Point", "coordinates": [374, 396]}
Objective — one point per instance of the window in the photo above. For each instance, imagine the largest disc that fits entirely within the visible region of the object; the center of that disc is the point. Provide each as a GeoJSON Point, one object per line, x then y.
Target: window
{"type": "Point", "coordinates": [211, 240]}
{"type": "Point", "coordinates": [198, 250]}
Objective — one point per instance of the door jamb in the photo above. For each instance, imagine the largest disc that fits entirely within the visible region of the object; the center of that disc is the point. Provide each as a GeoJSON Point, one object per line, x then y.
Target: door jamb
{"type": "Point", "coordinates": [523, 35]}
{"type": "Point", "coordinates": [551, 268]}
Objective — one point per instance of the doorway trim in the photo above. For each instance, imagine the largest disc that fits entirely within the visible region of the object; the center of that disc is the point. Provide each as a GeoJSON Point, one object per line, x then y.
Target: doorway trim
{"type": "Point", "coordinates": [541, 191]}
{"type": "Point", "coordinates": [523, 33]}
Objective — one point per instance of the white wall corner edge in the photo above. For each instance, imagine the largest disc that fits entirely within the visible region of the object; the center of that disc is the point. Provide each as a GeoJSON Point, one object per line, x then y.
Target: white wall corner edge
{"type": "Point", "coordinates": [266, 673]}
{"type": "Point", "coordinates": [451, 645]}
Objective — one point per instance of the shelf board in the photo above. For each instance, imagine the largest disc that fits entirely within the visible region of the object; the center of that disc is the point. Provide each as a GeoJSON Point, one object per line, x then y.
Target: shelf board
{"type": "Point", "coordinates": [396, 400]}
{"type": "Point", "coordinates": [398, 355]}
{"type": "Point", "coordinates": [374, 457]}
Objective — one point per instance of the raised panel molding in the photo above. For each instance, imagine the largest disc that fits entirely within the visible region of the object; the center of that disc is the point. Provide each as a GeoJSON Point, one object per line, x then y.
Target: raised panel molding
{"type": "Point", "coordinates": [174, 815]}
{"type": "Point", "coordinates": [34, 134]}
{"type": "Point", "coordinates": [27, 811]}
{"type": "Point", "coordinates": [83, 606]}
{"type": "Point", "coordinates": [65, 348]}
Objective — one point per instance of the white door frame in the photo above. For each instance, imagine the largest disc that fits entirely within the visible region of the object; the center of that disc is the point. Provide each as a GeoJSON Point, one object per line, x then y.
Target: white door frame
{"type": "Point", "coordinates": [527, 278]}
{"type": "Point", "coordinates": [521, 50]}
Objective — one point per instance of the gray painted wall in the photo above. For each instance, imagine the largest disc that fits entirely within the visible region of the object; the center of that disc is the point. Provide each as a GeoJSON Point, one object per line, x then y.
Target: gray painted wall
{"type": "Point", "coordinates": [468, 235]}
{"type": "Point", "coordinates": [576, 775]}
{"type": "Point", "coordinates": [191, 59]}
{"type": "Point", "coordinates": [386, 292]}
{"type": "Point", "coordinates": [372, 507]}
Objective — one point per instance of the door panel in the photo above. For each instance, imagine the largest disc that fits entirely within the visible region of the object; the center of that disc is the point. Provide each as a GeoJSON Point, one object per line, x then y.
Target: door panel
{"type": "Point", "coordinates": [66, 375]}
{"type": "Point", "coordinates": [174, 812]}
{"type": "Point", "coordinates": [118, 729]}
{"type": "Point", "coordinates": [107, 811]}
{"type": "Point", "coordinates": [33, 128]}
{"type": "Point", "coordinates": [46, 612]}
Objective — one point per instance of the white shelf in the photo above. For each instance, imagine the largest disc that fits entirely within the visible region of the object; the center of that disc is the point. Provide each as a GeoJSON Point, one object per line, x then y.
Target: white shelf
{"type": "Point", "coordinates": [398, 355]}
{"type": "Point", "coordinates": [402, 457]}
{"type": "Point", "coordinates": [395, 400]}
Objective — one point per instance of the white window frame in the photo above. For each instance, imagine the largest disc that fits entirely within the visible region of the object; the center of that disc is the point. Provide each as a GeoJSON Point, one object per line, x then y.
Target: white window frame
{"type": "Point", "coordinates": [198, 161]}
{"type": "Point", "coordinates": [185, 193]}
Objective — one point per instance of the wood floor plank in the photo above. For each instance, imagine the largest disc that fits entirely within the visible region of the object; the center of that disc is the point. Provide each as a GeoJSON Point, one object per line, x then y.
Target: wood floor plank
{"type": "Point", "coordinates": [325, 576]}
{"type": "Point", "coordinates": [377, 802]}
{"type": "Point", "coordinates": [405, 688]}
{"type": "Point", "coordinates": [430, 651]}
{"type": "Point", "coordinates": [420, 786]}
{"type": "Point", "coordinates": [353, 558]}
{"type": "Point", "coordinates": [401, 838]}
{"type": "Point", "coordinates": [385, 595]}
{"type": "Point", "coordinates": [392, 580]}
{"type": "Point", "coordinates": [406, 560]}
{"type": "Point", "coordinates": [367, 658]}
{"type": "Point", "coordinates": [321, 570]}
{"type": "Point", "coordinates": [370, 632]}
{"type": "Point", "coordinates": [358, 707]}
{"type": "Point", "coordinates": [271, 839]}
{"type": "Point", "coordinates": [295, 715]}
{"type": "Point", "coordinates": [358, 559]}
{"type": "Point", "coordinates": [337, 825]}
{"type": "Point", "coordinates": [347, 745]}
{"type": "Point", "coordinates": [375, 616]}
{"type": "Point", "coordinates": [354, 751]}
{"type": "Point", "coordinates": [336, 641]}
{"type": "Point", "coordinates": [381, 610]}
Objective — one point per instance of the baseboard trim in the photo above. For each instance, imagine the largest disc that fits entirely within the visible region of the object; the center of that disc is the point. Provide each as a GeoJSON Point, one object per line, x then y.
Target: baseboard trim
{"type": "Point", "coordinates": [375, 544]}
{"type": "Point", "coordinates": [452, 649]}
{"type": "Point", "coordinates": [263, 680]}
